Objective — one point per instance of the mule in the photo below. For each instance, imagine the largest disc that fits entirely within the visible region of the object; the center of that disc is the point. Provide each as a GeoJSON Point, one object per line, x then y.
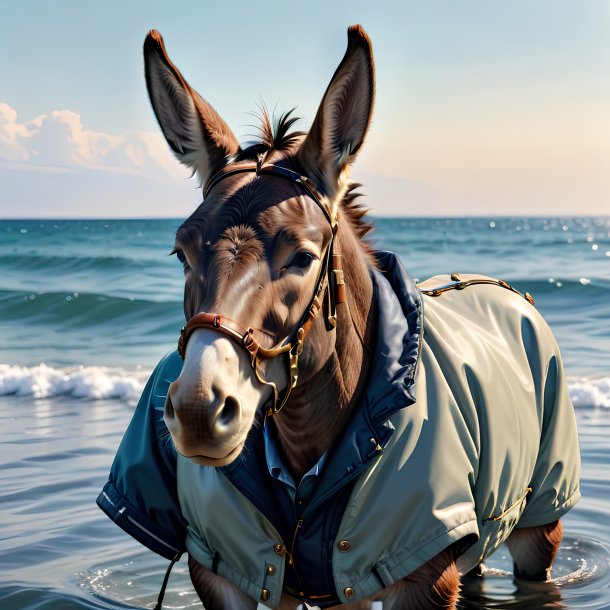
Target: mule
{"type": "Point", "coordinates": [344, 436]}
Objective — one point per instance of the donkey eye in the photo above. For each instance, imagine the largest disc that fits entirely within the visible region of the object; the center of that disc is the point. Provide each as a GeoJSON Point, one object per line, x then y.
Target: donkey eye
{"type": "Point", "coordinates": [180, 256]}
{"type": "Point", "coordinates": [302, 259]}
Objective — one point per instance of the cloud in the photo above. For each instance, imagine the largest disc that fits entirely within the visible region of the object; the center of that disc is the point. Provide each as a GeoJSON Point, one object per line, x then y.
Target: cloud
{"type": "Point", "coordinates": [59, 142]}
{"type": "Point", "coordinates": [54, 166]}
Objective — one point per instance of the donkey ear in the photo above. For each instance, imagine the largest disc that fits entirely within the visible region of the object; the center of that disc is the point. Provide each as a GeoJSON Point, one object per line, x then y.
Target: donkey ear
{"type": "Point", "coordinates": [343, 117]}
{"type": "Point", "coordinates": [192, 128]}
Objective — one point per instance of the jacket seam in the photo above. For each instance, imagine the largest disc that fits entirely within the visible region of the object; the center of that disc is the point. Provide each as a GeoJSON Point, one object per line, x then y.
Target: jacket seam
{"type": "Point", "coordinates": [136, 524]}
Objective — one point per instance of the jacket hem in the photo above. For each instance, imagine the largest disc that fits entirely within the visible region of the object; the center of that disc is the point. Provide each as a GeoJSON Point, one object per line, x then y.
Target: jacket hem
{"type": "Point", "coordinates": [546, 517]}
{"type": "Point", "coordinates": [137, 525]}
{"type": "Point", "coordinates": [387, 572]}
{"type": "Point", "coordinates": [199, 551]}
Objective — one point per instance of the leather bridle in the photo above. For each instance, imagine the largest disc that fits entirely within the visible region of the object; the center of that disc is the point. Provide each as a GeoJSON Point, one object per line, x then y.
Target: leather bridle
{"type": "Point", "coordinates": [330, 284]}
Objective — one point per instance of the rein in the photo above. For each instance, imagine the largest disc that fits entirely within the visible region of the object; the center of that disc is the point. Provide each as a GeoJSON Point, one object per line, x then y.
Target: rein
{"type": "Point", "coordinates": [330, 284]}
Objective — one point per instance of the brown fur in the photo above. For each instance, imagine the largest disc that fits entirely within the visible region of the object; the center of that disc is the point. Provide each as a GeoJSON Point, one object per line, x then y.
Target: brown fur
{"type": "Point", "coordinates": [533, 550]}
{"type": "Point", "coordinates": [216, 592]}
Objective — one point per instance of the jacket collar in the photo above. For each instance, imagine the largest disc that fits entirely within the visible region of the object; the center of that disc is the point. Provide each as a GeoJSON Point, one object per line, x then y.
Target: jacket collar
{"type": "Point", "coordinates": [392, 377]}
{"type": "Point", "coordinates": [399, 334]}
{"type": "Point", "coordinates": [391, 388]}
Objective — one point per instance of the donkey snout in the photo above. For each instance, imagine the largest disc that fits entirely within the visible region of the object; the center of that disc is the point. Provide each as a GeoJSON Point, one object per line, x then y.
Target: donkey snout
{"type": "Point", "coordinates": [203, 409]}
{"type": "Point", "coordinates": [204, 423]}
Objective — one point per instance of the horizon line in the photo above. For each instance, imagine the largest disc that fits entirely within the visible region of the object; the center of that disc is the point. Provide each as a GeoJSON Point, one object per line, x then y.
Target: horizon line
{"type": "Point", "coordinates": [372, 216]}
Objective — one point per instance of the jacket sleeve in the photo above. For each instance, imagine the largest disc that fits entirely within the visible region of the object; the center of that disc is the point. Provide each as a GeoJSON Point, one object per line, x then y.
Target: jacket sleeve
{"type": "Point", "coordinates": [141, 495]}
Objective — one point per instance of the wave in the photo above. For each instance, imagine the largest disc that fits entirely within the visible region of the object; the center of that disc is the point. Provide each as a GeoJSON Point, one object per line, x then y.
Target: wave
{"type": "Point", "coordinates": [71, 263]}
{"type": "Point", "coordinates": [89, 382]}
{"type": "Point", "coordinates": [590, 287]}
{"type": "Point", "coordinates": [22, 304]}
{"type": "Point", "coordinates": [590, 392]}
{"type": "Point", "coordinates": [83, 310]}
{"type": "Point", "coordinates": [98, 382]}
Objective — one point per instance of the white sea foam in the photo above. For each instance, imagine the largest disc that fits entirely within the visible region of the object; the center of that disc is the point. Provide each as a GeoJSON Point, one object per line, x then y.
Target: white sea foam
{"type": "Point", "coordinates": [97, 382]}
{"type": "Point", "coordinates": [590, 392]}
{"type": "Point", "coordinates": [89, 382]}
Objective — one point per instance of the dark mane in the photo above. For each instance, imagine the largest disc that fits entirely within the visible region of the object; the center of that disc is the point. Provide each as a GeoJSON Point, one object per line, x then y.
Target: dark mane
{"type": "Point", "coordinates": [356, 211]}
{"type": "Point", "coordinates": [276, 136]}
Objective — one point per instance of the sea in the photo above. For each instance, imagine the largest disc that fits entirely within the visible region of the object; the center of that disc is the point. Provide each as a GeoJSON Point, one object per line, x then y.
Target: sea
{"type": "Point", "coordinates": [87, 308]}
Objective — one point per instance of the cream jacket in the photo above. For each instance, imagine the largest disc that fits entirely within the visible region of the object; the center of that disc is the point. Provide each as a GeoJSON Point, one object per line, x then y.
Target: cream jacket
{"type": "Point", "coordinates": [490, 444]}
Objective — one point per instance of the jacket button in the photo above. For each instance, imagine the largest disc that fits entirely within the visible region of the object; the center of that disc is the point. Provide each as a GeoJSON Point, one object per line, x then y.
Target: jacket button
{"type": "Point", "coordinates": [265, 595]}
{"type": "Point", "coordinates": [279, 549]}
{"type": "Point", "coordinates": [348, 592]}
{"type": "Point", "coordinates": [270, 569]}
{"type": "Point", "coordinates": [344, 546]}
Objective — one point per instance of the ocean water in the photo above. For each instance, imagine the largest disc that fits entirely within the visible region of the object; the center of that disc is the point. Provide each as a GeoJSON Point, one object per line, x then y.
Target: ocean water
{"type": "Point", "coordinates": [88, 307]}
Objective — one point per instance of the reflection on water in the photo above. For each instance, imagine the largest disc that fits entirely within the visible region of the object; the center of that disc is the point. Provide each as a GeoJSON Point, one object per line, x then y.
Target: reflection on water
{"type": "Point", "coordinates": [59, 552]}
{"type": "Point", "coordinates": [137, 582]}
{"type": "Point", "coordinates": [582, 564]}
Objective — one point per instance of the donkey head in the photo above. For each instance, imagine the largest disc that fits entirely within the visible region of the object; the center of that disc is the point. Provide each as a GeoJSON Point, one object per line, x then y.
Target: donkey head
{"type": "Point", "coordinates": [255, 249]}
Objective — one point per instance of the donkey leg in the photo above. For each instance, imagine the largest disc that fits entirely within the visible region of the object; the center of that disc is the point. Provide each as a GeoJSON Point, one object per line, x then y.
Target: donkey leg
{"type": "Point", "coordinates": [216, 592]}
{"type": "Point", "coordinates": [533, 550]}
{"type": "Point", "coordinates": [436, 584]}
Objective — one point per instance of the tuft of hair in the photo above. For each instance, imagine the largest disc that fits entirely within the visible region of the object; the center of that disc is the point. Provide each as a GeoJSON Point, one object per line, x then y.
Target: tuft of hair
{"type": "Point", "coordinates": [356, 215]}
{"type": "Point", "coordinates": [356, 211]}
{"type": "Point", "coordinates": [274, 134]}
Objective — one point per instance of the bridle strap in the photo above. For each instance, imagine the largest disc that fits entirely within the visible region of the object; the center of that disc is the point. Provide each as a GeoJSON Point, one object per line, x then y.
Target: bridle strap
{"type": "Point", "coordinates": [292, 345]}
{"type": "Point", "coordinates": [269, 169]}
{"type": "Point", "coordinates": [234, 330]}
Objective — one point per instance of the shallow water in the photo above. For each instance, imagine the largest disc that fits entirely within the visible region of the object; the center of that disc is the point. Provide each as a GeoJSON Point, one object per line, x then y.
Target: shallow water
{"type": "Point", "coordinates": [57, 550]}
{"type": "Point", "coordinates": [99, 302]}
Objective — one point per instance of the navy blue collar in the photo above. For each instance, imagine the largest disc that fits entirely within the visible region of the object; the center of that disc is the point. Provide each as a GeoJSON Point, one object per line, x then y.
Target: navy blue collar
{"type": "Point", "coordinates": [391, 388]}
{"type": "Point", "coordinates": [392, 377]}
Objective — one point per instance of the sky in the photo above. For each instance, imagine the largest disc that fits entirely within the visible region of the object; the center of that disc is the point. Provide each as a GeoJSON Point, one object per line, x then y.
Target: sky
{"type": "Point", "coordinates": [483, 107]}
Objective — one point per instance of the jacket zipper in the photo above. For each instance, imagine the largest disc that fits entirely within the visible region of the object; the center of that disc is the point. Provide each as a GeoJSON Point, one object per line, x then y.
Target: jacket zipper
{"type": "Point", "coordinates": [291, 561]}
{"type": "Point", "coordinates": [294, 540]}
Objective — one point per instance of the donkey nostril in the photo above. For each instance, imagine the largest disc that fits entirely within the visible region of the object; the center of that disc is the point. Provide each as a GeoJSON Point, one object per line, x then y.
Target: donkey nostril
{"type": "Point", "coordinates": [228, 412]}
